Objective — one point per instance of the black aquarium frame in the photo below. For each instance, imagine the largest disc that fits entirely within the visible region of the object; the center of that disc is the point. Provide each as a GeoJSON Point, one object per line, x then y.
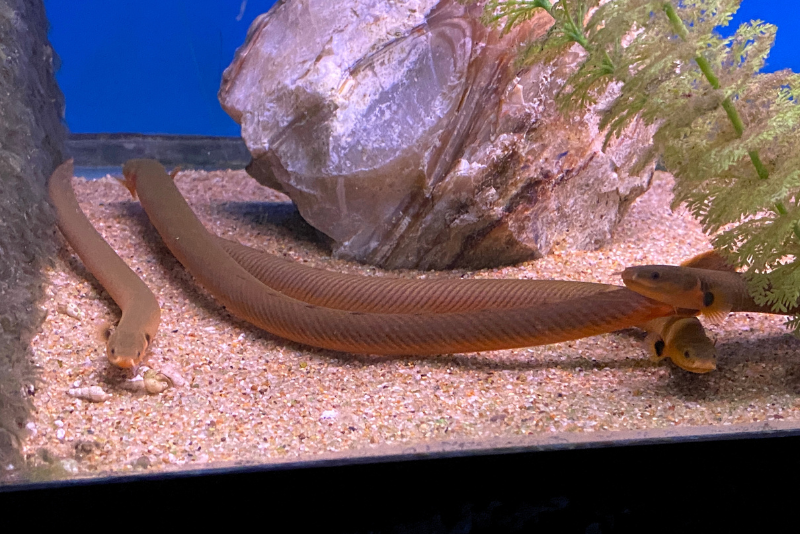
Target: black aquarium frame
{"type": "Point", "coordinates": [738, 483]}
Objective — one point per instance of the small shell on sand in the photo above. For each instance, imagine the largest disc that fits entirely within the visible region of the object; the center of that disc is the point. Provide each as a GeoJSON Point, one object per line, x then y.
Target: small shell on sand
{"type": "Point", "coordinates": [155, 382]}
{"type": "Point", "coordinates": [70, 309]}
{"type": "Point", "coordinates": [135, 384]}
{"type": "Point", "coordinates": [173, 375]}
{"type": "Point", "coordinates": [91, 394]}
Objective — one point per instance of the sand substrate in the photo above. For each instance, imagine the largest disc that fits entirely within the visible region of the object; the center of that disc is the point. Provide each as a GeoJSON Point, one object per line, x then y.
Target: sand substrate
{"type": "Point", "coordinates": [252, 398]}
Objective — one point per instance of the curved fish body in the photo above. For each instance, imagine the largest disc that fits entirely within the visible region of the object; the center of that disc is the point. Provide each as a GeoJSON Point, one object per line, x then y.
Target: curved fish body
{"type": "Point", "coordinates": [688, 347]}
{"type": "Point", "coordinates": [714, 293]}
{"type": "Point", "coordinates": [367, 332]}
{"type": "Point", "coordinates": [401, 295]}
{"type": "Point", "coordinates": [684, 341]}
{"type": "Point", "coordinates": [682, 287]}
{"type": "Point", "coordinates": [127, 344]}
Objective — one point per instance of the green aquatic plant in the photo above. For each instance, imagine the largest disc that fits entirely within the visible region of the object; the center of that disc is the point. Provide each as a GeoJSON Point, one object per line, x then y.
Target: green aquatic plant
{"type": "Point", "coordinates": [728, 133]}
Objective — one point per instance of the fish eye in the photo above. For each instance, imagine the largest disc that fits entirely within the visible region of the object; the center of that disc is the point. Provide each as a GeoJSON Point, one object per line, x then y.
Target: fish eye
{"type": "Point", "coordinates": [687, 355]}
{"type": "Point", "coordinates": [655, 275]}
{"type": "Point", "coordinates": [708, 298]}
{"type": "Point", "coordinates": [113, 351]}
{"type": "Point", "coordinates": [659, 346]}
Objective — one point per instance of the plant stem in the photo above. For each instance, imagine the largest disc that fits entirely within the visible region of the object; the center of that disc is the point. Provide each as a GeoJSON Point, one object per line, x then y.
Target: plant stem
{"type": "Point", "coordinates": [727, 104]}
{"type": "Point", "coordinates": [575, 30]}
{"type": "Point", "coordinates": [677, 23]}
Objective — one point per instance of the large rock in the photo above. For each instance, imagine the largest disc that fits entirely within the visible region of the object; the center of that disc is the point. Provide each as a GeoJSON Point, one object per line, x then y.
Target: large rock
{"type": "Point", "coordinates": [31, 145]}
{"type": "Point", "coordinates": [404, 131]}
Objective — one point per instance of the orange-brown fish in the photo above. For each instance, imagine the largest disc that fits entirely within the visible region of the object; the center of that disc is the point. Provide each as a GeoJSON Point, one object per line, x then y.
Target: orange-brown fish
{"type": "Point", "coordinates": [709, 291]}
{"type": "Point", "coordinates": [714, 290]}
{"type": "Point", "coordinates": [683, 340]}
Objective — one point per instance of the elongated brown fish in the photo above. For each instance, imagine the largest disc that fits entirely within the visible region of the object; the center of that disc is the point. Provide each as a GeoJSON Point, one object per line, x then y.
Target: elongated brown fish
{"type": "Point", "coordinates": [685, 287]}
{"type": "Point", "coordinates": [714, 290]}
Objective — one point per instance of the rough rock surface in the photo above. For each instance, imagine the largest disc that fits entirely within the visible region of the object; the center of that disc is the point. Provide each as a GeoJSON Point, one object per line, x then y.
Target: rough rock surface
{"type": "Point", "coordinates": [31, 145]}
{"type": "Point", "coordinates": [404, 131]}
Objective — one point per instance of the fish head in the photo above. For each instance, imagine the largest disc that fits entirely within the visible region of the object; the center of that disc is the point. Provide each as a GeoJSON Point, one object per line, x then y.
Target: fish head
{"type": "Point", "coordinates": [129, 172]}
{"type": "Point", "coordinates": [666, 283]}
{"type": "Point", "coordinates": [127, 349]}
{"type": "Point", "coordinates": [688, 346]}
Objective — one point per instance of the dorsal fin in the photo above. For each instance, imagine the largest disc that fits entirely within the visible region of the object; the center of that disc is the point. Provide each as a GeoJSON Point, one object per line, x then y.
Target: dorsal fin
{"type": "Point", "coordinates": [709, 260]}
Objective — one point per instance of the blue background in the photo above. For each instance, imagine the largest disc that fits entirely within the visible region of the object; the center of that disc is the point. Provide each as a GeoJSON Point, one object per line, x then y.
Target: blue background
{"type": "Point", "coordinates": [154, 66]}
{"type": "Point", "coordinates": [147, 66]}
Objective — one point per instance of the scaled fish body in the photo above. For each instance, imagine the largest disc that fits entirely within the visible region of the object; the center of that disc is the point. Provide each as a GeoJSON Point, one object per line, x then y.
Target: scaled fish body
{"type": "Point", "coordinates": [704, 282]}
{"type": "Point", "coordinates": [714, 293]}
{"type": "Point", "coordinates": [683, 340]}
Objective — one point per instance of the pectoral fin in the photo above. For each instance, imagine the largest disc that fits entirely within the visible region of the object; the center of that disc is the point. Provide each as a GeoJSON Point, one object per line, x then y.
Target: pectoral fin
{"type": "Point", "coordinates": [654, 344]}
{"type": "Point", "coordinates": [717, 306]}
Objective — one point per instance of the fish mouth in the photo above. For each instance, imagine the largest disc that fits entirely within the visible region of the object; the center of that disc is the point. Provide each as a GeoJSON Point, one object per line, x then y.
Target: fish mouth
{"type": "Point", "coordinates": [121, 361]}
{"type": "Point", "coordinates": [703, 368]}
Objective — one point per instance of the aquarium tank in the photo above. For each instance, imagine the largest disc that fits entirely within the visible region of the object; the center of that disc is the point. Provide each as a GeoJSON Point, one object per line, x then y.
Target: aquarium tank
{"type": "Point", "coordinates": [286, 235]}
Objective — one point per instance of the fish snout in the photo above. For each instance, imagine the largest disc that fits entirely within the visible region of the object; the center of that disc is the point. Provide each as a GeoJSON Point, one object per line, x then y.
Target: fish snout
{"type": "Point", "coordinates": [701, 366]}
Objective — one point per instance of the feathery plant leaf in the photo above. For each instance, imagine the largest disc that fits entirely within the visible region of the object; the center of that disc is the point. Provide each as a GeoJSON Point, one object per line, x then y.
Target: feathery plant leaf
{"type": "Point", "coordinates": [729, 135]}
{"type": "Point", "coordinates": [513, 11]}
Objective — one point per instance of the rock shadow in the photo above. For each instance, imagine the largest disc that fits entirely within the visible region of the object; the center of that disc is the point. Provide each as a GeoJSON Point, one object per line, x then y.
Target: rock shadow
{"type": "Point", "coordinates": [283, 218]}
